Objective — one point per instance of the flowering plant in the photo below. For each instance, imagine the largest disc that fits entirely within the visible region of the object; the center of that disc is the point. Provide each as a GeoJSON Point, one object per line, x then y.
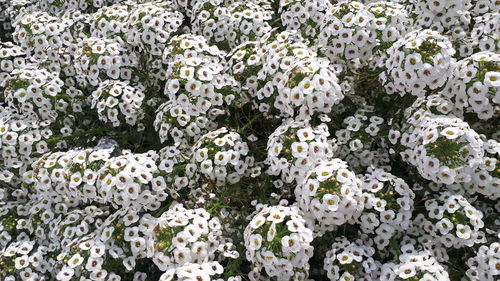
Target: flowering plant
{"type": "Point", "coordinates": [259, 140]}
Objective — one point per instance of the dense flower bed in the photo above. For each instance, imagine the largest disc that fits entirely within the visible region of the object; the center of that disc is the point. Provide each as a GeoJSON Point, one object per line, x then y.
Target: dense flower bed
{"type": "Point", "coordinates": [259, 140]}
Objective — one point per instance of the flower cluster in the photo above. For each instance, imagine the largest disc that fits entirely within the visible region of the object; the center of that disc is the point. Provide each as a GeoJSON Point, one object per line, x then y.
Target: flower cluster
{"type": "Point", "coordinates": [22, 141]}
{"type": "Point", "coordinates": [41, 35]}
{"type": "Point", "coordinates": [11, 57]}
{"type": "Point", "coordinates": [294, 147]}
{"type": "Point", "coordinates": [331, 194]}
{"type": "Point", "coordinates": [388, 203]}
{"type": "Point", "coordinates": [278, 241]}
{"type": "Point", "coordinates": [248, 21]}
{"type": "Point", "coordinates": [32, 90]}
{"type": "Point", "coordinates": [444, 149]}
{"type": "Point", "coordinates": [362, 142]}
{"type": "Point", "coordinates": [413, 264]}
{"type": "Point", "coordinates": [485, 265]}
{"type": "Point", "coordinates": [448, 17]}
{"type": "Point", "coordinates": [350, 261]}
{"type": "Point", "coordinates": [118, 102]}
{"type": "Point", "coordinates": [150, 25]}
{"type": "Point", "coordinates": [182, 236]}
{"type": "Point", "coordinates": [221, 157]}
{"type": "Point", "coordinates": [417, 63]}
{"type": "Point", "coordinates": [99, 59]}
{"type": "Point", "coordinates": [197, 91]}
{"type": "Point", "coordinates": [474, 83]}
{"type": "Point", "coordinates": [451, 220]}
{"type": "Point", "coordinates": [305, 16]}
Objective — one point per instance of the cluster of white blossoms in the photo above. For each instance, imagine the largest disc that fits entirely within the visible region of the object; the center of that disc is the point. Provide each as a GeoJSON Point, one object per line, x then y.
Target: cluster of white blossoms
{"type": "Point", "coordinates": [451, 220]}
{"type": "Point", "coordinates": [294, 147]}
{"type": "Point", "coordinates": [21, 142]}
{"type": "Point", "coordinates": [330, 194]}
{"type": "Point", "coordinates": [388, 202]}
{"type": "Point", "coordinates": [474, 83]}
{"type": "Point", "coordinates": [99, 59]}
{"type": "Point", "coordinates": [278, 242]}
{"type": "Point", "coordinates": [360, 143]}
{"type": "Point", "coordinates": [117, 102]}
{"type": "Point", "coordinates": [32, 90]}
{"type": "Point", "coordinates": [222, 159]}
{"type": "Point", "coordinates": [182, 236]}
{"type": "Point", "coordinates": [444, 149]}
{"type": "Point", "coordinates": [413, 264]}
{"type": "Point", "coordinates": [353, 32]}
{"type": "Point", "coordinates": [485, 266]}
{"type": "Point", "coordinates": [350, 261]}
{"type": "Point", "coordinates": [41, 35]}
{"type": "Point", "coordinates": [259, 140]}
{"type": "Point", "coordinates": [448, 17]}
{"type": "Point", "coordinates": [110, 22]}
{"type": "Point", "coordinates": [418, 63]}
{"type": "Point", "coordinates": [150, 25]}
{"type": "Point", "coordinates": [11, 56]}
{"type": "Point", "coordinates": [130, 180]}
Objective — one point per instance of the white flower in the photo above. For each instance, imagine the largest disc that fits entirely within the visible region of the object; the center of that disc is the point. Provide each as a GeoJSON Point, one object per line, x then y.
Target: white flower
{"type": "Point", "coordinates": [451, 133]}
{"type": "Point", "coordinates": [65, 274]}
{"type": "Point", "coordinates": [255, 241]}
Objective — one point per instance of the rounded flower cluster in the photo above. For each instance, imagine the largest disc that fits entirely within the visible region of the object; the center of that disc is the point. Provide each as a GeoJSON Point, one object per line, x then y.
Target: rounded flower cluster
{"type": "Point", "coordinates": [64, 175]}
{"type": "Point", "coordinates": [182, 236]}
{"type": "Point", "coordinates": [330, 193]}
{"type": "Point", "coordinates": [451, 220]}
{"type": "Point", "coordinates": [132, 181]}
{"type": "Point", "coordinates": [110, 22]}
{"type": "Point", "coordinates": [388, 203]}
{"type": "Point", "coordinates": [474, 83]}
{"type": "Point", "coordinates": [98, 59]}
{"type": "Point", "coordinates": [248, 21]}
{"type": "Point", "coordinates": [252, 62]}
{"type": "Point", "coordinates": [354, 32]}
{"type": "Point", "coordinates": [362, 143]}
{"type": "Point", "coordinates": [294, 147]}
{"type": "Point", "coordinates": [419, 62]}
{"type": "Point", "coordinates": [305, 16]}
{"type": "Point", "coordinates": [308, 87]}
{"type": "Point", "coordinates": [41, 35]}
{"type": "Point", "coordinates": [173, 167]}
{"type": "Point", "coordinates": [21, 141]}
{"type": "Point", "coordinates": [345, 32]}
{"type": "Point", "coordinates": [278, 241]}
{"type": "Point", "coordinates": [484, 33]}
{"type": "Point", "coordinates": [486, 179]}
{"type": "Point", "coordinates": [413, 264]}
{"type": "Point", "coordinates": [33, 90]}
{"type": "Point", "coordinates": [444, 149]}
{"type": "Point", "coordinates": [221, 157]}
{"type": "Point", "coordinates": [11, 57]}
{"type": "Point", "coordinates": [150, 26]}
{"type": "Point", "coordinates": [92, 244]}
{"type": "Point", "coordinates": [118, 102]}
{"type": "Point", "coordinates": [445, 16]}
{"type": "Point", "coordinates": [350, 261]}
{"type": "Point", "coordinates": [210, 19]}
{"type": "Point", "coordinates": [485, 265]}
{"type": "Point", "coordinates": [196, 89]}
